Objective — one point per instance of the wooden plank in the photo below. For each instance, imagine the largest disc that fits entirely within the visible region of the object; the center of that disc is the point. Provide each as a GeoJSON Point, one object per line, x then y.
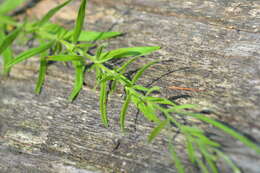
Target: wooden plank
{"type": "Point", "coordinates": [211, 46]}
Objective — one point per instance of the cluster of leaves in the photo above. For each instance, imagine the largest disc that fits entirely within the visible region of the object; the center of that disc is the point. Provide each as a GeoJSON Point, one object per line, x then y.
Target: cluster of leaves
{"type": "Point", "coordinates": [73, 46]}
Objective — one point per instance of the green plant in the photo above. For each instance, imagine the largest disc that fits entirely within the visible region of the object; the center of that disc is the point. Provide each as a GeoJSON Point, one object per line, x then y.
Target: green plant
{"type": "Point", "coordinates": [73, 46]}
{"type": "Point", "coordinates": [5, 49]}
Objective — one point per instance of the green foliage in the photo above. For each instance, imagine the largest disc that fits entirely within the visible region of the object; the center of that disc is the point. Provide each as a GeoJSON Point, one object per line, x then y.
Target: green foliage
{"type": "Point", "coordinates": [155, 132]}
{"type": "Point", "coordinates": [9, 5]}
{"type": "Point", "coordinates": [126, 52]}
{"type": "Point", "coordinates": [29, 53]}
{"type": "Point", "coordinates": [8, 40]}
{"type": "Point", "coordinates": [42, 73]}
{"type": "Point", "coordinates": [103, 102]}
{"type": "Point", "coordinates": [124, 111]}
{"type": "Point", "coordinates": [6, 52]}
{"type": "Point", "coordinates": [79, 21]}
{"type": "Point", "coordinates": [7, 20]}
{"type": "Point", "coordinates": [53, 11]}
{"type": "Point", "coordinates": [176, 158]}
{"type": "Point", "coordinates": [72, 46]}
{"type": "Point", "coordinates": [91, 36]}
{"type": "Point", "coordinates": [79, 79]}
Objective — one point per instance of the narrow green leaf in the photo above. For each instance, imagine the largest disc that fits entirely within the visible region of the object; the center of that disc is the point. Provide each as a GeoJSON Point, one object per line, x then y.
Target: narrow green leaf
{"type": "Point", "coordinates": [9, 39]}
{"type": "Point", "coordinates": [9, 5]}
{"type": "Point", "coordinates": [57, 48]}
{"type": "Point", "coordinates": [124, 110]}
{"type": "Point", "coordinates": [151, 112]}
{"type": "Point", "coordinates": [207, 141]}
{"type": "Point", "coordinates": [228, 161]}
{"type": "Point", "coordinates": [7, 20]}
{"type": "Point", "coordinates": [99, 51]}
{"type": "Point", "coordinates": [99, 73]}
{"type": "Point", "coordinates": [113, 86]}
{"type": "Point", "coordinates": [181, 107]}
{"type": "Point", "coordinates": [45, 35]}
{"type": "Point", "coordinates": [202, 166]}
{"type": "Point", "coordinates": [52, 28]}
{"type": "Point", "coordinates": [142, 70]}
{"type": "Point", "coordinates": [122, 69]}
{"type": "Point", "coordinates": [62, 57]}
{"type": "Point", "coordinates": [127, 52]}
{"type": "Point", "coordinates": [79, 79]}
{"type": "Point", "coordinates": [212, 165]}
{"type": "Point", "coordinates": [208, 157]}
{"type": "Point", "coordinates": [172, 119]}
{"type": "Point", "coordinates": [113, 76]}
{"type": "Point", "coordinates": [190, 149]}
{"type": "Point", "coordinates": [155, 132]}
{"type": "Point", "coordinates": [68, 45]}
{"type": "Point", "coordinates": [140, 88]}
{"type": "Point", "coordinates": [86, 45]}
{"type": "Point", "coordinates": [228, 130]}
{"type": "Point", "coordinates": [91, 36]}
{"type": "Point", "coordinates": [148, 111]}
{"type": "Point", "coordinates": [7, 53]}
{"type": "Point", "coordinates": [103, 103]}
{"type": "Point", "coordinates": [177, 161]}
{"type": "Point", "coordinates": [42, 73]}
{"type": "Point", "coordinates": [62, 34]}
{"type": "Point", "coordinates": [107, 78]}
{"type": "Point", "coordinates": [29, 53]}
{"type": "Point", "coordinates": [160, 100]}
{"type": "Point", "coordinates": [199, 133]}
{"type": "Point", "coordinates": [53, 31]}
{"type": "Point", "coordinates": [79, 21]}
{"type": "Point", "coordinates": [123, 80]}
{"type": "Point", "coordinates": [7, 56]}
{"type": "Point", "coordinates": [53, 11]}
{"type": "Point", "coordinates": [153, 89]}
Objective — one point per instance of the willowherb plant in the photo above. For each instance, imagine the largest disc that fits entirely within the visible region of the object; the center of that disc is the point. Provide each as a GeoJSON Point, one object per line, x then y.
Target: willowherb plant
{"type": "Point", "coordinates": [73, 46]}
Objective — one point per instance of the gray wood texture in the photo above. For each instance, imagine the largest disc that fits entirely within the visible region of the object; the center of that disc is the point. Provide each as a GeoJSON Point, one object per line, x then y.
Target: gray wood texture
{"type": "Point", "coordinates": [208, 45]}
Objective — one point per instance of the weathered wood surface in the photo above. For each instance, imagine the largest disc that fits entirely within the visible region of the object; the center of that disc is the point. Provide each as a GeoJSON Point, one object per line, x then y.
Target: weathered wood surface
{"type": "Point", "coordinates": [211, 45]}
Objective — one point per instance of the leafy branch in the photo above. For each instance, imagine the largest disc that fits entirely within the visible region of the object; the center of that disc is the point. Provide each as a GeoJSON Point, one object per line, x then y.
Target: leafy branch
{"type": "Point", "coordinates": [73, 46]}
